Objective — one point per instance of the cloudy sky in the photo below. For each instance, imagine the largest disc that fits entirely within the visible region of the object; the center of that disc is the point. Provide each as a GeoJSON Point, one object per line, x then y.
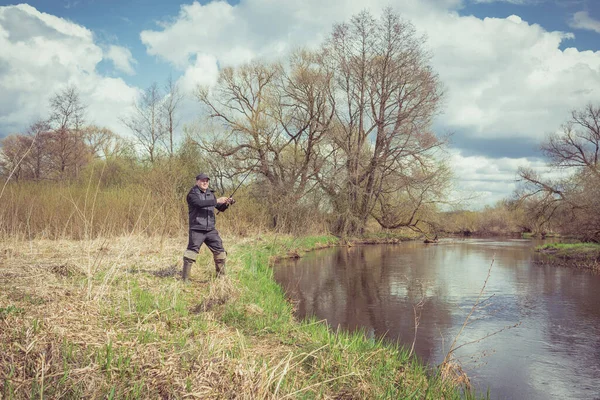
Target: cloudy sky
{"type": "Point", "coordinates": [512, 69]}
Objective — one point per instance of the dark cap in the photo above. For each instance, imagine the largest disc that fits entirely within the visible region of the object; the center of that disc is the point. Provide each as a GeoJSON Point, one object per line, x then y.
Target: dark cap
{"type": "Point", "coordinates": [202, 176]}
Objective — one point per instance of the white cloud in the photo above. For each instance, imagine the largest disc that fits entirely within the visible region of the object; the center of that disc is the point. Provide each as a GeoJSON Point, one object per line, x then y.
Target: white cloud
{"type": "Point", "coordinates": [582, 20]}
{"type": "Point", "coordinates": [488, 179]}
{"type": "Point", "coordinates": [254, 28]}
{"type": "Point", "coordinates": [505, 77]}
{"type": "Point", "coordinates": [41, 54]}
{"type": "Point", "coordinates": [121, 58]}
{"type": "Point", "coordinates": [204, 37]}
{"type": "Point", "coordinates": [204, 72]}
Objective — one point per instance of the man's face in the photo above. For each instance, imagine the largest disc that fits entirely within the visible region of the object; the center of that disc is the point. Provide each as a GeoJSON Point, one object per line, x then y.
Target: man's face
{"type": "Point", "coordinates": [202, 184]}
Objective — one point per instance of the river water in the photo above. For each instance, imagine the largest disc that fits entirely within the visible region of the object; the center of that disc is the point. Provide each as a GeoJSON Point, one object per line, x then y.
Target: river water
{"type": "Point", "coordinates": [553, 353]}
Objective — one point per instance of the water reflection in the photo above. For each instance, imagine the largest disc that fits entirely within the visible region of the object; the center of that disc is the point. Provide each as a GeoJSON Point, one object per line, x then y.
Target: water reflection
{"type": "Point", "coordinates": [553, 353]}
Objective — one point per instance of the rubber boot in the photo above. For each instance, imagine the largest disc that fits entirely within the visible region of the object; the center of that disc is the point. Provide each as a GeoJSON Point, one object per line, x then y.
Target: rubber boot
{"type": "Point", "coordinates": [187, 269]}
{"type": "Point", "coordinates": [220, 267]}
{"type": "Point", "coordinates": [220, 263]}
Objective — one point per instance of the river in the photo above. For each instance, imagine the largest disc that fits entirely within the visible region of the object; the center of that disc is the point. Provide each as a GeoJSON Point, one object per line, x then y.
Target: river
{"type": "Point", "coordinates": [552, 353]}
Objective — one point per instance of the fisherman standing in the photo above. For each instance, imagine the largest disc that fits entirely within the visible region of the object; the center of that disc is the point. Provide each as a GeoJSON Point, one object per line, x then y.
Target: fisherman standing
{"type": "Point", "coordinates": [201, 204]}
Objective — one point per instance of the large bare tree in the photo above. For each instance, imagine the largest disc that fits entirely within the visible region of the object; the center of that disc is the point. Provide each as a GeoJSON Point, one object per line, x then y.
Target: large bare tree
{"type": "Point", "coordinates": [386, 95]}
{"type": "Point", "coordinates": [67, 110]}
{"type": "Point", "coordinates": [27, 156]}
{"type": "Point", "coordinates": [411, 199]}
{"type": "Point", "coordinates": [104, 143]}
{"type": "Point", "coordinates": [575, 199]}
{"type": "Point", "coordinates": [275, 117]}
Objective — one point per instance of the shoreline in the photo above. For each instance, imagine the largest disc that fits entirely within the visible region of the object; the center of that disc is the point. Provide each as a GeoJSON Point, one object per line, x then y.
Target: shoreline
{"type": "Point", "coordinates": [332, 241]}
{"type": "Point", "coordinates": [573, 255]}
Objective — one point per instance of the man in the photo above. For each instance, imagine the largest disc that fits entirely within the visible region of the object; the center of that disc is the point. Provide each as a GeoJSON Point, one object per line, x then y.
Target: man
{"type": "Point", "coordinates": [201, 204]}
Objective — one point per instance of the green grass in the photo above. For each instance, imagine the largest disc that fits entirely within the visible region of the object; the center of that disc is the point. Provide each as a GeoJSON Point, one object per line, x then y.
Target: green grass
{"type": "Point", "coordinates": [575, 247]}
{"type": "Point", "coordinates": [580, 255]}
{"type": "Point", "coordinates": [10, 310]}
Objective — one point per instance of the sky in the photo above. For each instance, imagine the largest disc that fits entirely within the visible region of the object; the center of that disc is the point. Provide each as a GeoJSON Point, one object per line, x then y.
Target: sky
{"type": "Point", "coordinates": [512, 70]}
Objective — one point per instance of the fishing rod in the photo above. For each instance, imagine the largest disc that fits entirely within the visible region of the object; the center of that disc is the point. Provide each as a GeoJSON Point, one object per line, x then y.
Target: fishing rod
{"type": "Point", "coordinates": [242, 181]}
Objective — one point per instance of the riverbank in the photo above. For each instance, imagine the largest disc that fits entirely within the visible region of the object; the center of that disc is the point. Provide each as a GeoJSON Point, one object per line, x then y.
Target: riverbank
{"type": "Point", "coordinates": [578, 255]}
{"type": "Point", "coordinates": [297, 248]}
{"type": "Point", "coordinates": [109, 318]}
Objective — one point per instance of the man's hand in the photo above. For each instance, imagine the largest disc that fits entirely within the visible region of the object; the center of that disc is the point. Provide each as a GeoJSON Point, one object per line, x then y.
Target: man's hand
{"type": "Point", "coordinates": [231, 200]}
{"type": "Point", "coordinates": [223, 200]}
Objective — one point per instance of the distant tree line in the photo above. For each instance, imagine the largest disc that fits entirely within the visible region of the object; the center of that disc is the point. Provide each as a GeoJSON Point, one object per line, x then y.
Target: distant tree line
{"type": "Point", "coordinates": [58, 147]}
{"type": "Point", "coordinates": [54, 148]}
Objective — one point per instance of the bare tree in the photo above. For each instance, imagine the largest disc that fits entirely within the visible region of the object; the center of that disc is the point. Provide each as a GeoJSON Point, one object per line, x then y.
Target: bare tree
{"type": "Point", "coordinates": [275, 118]}
{"type": "Point", "coordinates": [170, 105]}
{"type": "Point", "coordinates": [573, 200]}
{"type": "Point", "coordinates": [102, 142]}
{"type": "Point", "coordinates": [13, 152]}
{"type": "Point", "coordinates": [578, 145]}
{"type": "Point", "coordinates": [68, 153]}
{"type": "Point", "coordinates": [145, 122]}
{"type": "Point", "coordinates": [37, 159]}
{"type": "Point", "coordinates": [67, 111]}
{"type": "Point", "coordinates": [27, 154]}
{"type": "Point", "coordinates": [239, 102]}
{"type": "Point", "coordinates": [411, 199]}
{"type": "Point", "coordinates": [386, 95]}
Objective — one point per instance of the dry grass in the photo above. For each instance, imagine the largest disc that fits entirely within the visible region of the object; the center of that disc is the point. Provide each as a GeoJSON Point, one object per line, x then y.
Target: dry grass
{"type": "Point", "coordinates": [84, 210]}
{"type": "Point", "coordinates": [75, 314]}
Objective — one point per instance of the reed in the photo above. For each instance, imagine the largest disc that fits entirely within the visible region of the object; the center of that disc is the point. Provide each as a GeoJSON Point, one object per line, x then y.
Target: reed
{"type": "Point", "coordinates": [87, 210]}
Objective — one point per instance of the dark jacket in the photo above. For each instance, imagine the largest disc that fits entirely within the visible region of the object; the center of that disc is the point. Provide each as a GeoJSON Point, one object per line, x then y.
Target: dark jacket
{"type": "Point", "coordinates": [201, 207]}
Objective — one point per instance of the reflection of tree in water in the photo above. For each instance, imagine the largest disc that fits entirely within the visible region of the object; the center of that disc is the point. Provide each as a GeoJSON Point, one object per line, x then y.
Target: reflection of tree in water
{"type": "Point", "coordinates": [362, 288]}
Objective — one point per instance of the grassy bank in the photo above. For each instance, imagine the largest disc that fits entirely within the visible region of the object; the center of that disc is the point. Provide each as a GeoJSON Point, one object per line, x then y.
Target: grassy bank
{"type": "Point", "coordinates": [580, 255]}
{"type": "Point", "coordinates": [108, 318]}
